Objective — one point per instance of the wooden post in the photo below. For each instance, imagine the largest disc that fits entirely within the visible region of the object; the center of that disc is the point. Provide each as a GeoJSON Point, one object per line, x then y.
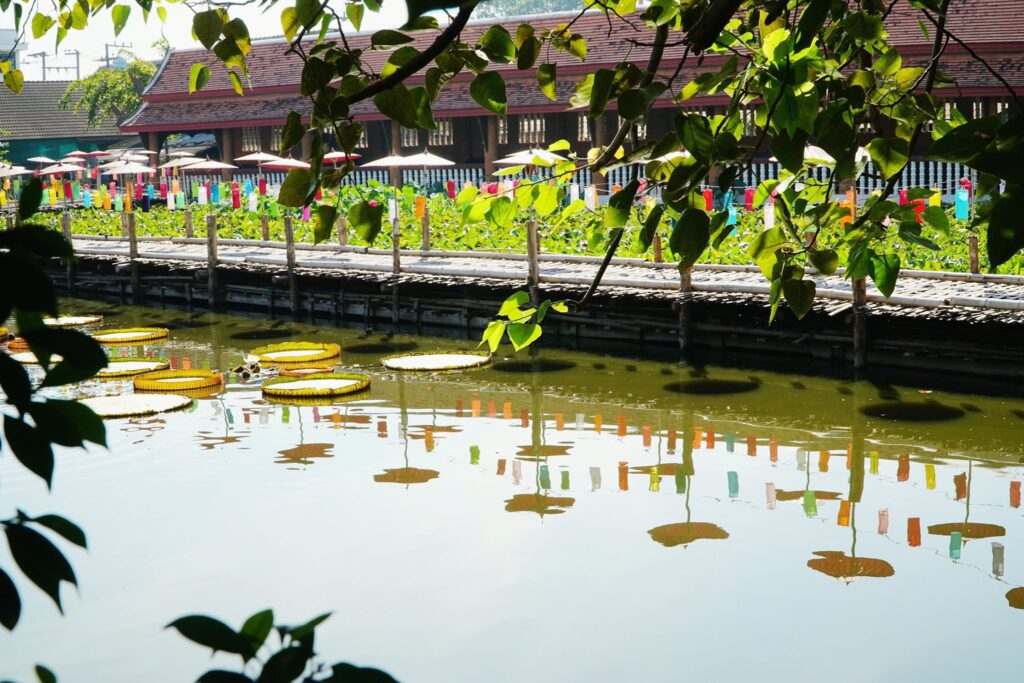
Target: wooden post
{"type": "Point", "coordinates": [656, 243]}
{"type": "Point", "coordinates": [133, 259]}
{"type": "Point", "coordinates": [65, 224]}
{"type": "Point", "coordinates": [289, 251]}
{"type": "Point", "coordinates": [860, 327]}
{"type": "Point", "coordinates": [533, 259]}
{"type": "Point", "coordinates": [213, 296]}
{"type": "Point", "coordinates": [342, 231]}
{"type": "Point", "coordinates": [685, 336]}
{"type": "Point", "coordinates": [124, 224]}
{"type": "Point", "coordinates": [396, 267]}
{"type": "Point", "coordinates": [425, 229]}
{"type": "Point", "coordinates": [972, 246]}
{"type": "Point", "coordinates": [265, 227]}
{"type": "Point", "coordinates": [10, 221]}
{"type": "Point", "coordinates": [188, 224]}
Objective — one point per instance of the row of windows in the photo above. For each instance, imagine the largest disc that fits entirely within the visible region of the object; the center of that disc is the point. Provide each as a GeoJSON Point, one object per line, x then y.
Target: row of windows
{"type": "Point", "coordinates": [251, 141]}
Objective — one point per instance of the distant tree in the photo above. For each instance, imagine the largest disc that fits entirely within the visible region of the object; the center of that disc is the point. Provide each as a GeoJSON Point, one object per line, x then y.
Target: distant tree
{"type": "Point", "coordinates": [109, 92]}
{"type": "Point", "coordinates": [520, 8]}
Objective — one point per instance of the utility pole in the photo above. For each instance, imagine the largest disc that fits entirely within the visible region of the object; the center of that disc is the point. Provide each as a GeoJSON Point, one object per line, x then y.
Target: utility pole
{"type": "Point", "coordinates": [78, 63]}
{"type": "Point", "coordinates": [106, 58]}
{"type": "Point", "coordinates": [42, 58]}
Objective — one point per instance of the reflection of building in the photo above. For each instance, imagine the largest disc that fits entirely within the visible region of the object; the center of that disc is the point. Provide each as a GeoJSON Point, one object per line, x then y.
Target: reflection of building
{"type": "Point", "coordinates": [33, 124]}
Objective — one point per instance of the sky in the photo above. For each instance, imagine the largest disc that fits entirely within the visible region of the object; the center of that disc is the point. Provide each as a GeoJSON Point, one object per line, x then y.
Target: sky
{"type": "Point", "coordinates": [141, 35]}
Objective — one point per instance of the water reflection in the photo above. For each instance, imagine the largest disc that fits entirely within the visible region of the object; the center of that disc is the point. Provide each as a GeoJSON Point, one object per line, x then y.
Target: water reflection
{"type": "Point", "coordinates": [912, 411]}
{"type": "Point", "coordinates": [305, 454]}
{"type": "Point", "coordinates": [839, 565]}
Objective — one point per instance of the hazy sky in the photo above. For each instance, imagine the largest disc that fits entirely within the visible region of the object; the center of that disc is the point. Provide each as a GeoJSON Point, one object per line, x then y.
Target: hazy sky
{"type": "Point", "coordinates": [178, 30]}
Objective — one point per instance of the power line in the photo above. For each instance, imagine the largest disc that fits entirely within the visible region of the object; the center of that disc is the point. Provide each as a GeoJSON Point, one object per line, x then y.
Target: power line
{"type": "Point", "coordinates": [106, 58]}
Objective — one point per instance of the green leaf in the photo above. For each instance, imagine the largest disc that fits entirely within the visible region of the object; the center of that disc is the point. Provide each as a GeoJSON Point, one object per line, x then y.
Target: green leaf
{"type": "Point", "coordinates": [498, 45]}
{"type": "Point", "coordinates": [511, 307]}
{"type": "Point", "coordinates": [65, 527]}
{"type": "Point", "coordinates": [307, 12]}
{"type": "Point", "coordinates": [492, 335]}
{"type": "Point", "coordinates": [120, 14]}
{"type": "Point", "coordinates": [523, 334]}
{"type": "Point", "coordinates": [82, 355]}
{"type": "Point", "coordinates": [257, 627]}
{"type": "Point", "coordinates": [386, 38]}
{"type": "Point", "coordinates": [14, 79]}
{"type": "Point", "coordinates": [30, 447]}
{"type": "Point", "coordinates": [207, 26]}
{"type": "Point", "coordinates": [889, 155]}
{"type": "Point", "coordinates": [366, 220]}
{"type": "Point", "coordinates": [620, 204]}
{"type": "Point", "coordinates": [303, 631]}
{"type": "Point", "coordinates": [236, 83]}
{"type": "Point", "coordinates": [290, 23]}
{"type": "Point", "coordinates": [488, 90]}
{"type": "Point", "coordinates": [292, 133]}
{"type": "Point", "coordinates": [31, 196]}
{"type": "Point", "coordinates": [401, 104]}
{"type": "Point", "coordinates": [68, 423]}
{"type": "Point", "coordinates": [1005, 227]}
{"type": "Point", "coordinates": [884, 271]}
{"type": "Point", "coordinates": [222, 676]}
{"type": "Point", "coordinates": [355, 12]}
{"type": "Point", "coordinates": [799, 295]}
{"type": "Point", "coordinates": [825, 261]}
{"type": "Point", "coordinates": [600, 92]}
{"type": "Point", "coordinates": [690, 236]}
{"type": "Point", "coordinates": [529, 51]}
{"type": "Point", "coordinates": [547, 81]}
{"type": "Point", "coordinates": [39, 560]}
{"type": "Point", "coordinates": [295, 188]}
{"type": "Point", "coordinates": [212, 633]}
{"type": "Point", "coordinates": [15, 382]}
{"type": "Point", "coordinates": [10, 602]}
{"type": "Point", "coordinates": [326, 216]}
{"type": "Point", "coordinates": [45, 675]}
{"type": "Point", "coordinates": [936, 218]}
{"type": "Point", "coordinates": [41, 23]}
{"type": "Point", "coordinates": [650, 227]}
{"type": "Point", "coordinates": [198, 77]}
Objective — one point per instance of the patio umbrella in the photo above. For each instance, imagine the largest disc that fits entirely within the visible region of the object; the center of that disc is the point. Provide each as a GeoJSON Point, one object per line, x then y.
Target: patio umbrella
{"type": "Point", "coordinates": [58, 169]}
{"type": "Point", "coordinates": [260, 158]}
{"type": "Point", "coordinates": [338, 157]}
{"type": "Point", "coordinates": [129, 169]}
{"type": "Point", "coordinates": [42, 160]}
{"type": "Point", "coordinates": [423, 160]}
{"type": "Point", "coordinates": [531, 157]}
{"type": "Point", "coordinates": [179, 154]}
{"type": "Point", "coordinates": [280, 164]}
{"type": "Point", "coordinates": [209, 165]}
{"type": "Point", "coordinates": [77, 153]}
{"type": "Point", "coordinates": [180, 161]}
{"type": "Point", "coordinates": [15, 170]}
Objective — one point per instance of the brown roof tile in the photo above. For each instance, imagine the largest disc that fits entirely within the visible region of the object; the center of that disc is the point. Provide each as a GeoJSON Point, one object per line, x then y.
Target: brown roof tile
{"type": "Point", "coordinates": [34, 114]}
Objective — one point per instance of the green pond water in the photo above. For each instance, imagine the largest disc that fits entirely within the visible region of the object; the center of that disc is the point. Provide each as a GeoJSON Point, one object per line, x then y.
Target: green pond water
{"type": "Point", "coordinates": [570, 517]}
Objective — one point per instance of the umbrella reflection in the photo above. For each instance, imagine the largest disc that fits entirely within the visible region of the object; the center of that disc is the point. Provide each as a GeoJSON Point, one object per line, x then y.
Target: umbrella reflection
{"type": "Point", "coordinates": [539, 503]}
{"type": "Point", "coordinates": [406, 475]}
{"type": "Point", "coordinates": [1015, 598]}
{"type": "Point", "coordinates": [838, 565]}
{"type": "Point", "coordinates": [303, 454]}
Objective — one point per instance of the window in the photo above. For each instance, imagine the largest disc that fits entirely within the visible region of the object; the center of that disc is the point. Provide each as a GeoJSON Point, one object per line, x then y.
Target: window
{"type": "Point", "coordinates": [748, 118]}
{"type": "Point", "coordinates": [275, 139]}
{"type": "Point", "coordinates": [444, 134]}
{"type": "Point", "coordinates": [410, 137]}
{"type": "Point", "coordinates": [251, 139]}
{"type": "Point", "coordinates": [583, 127]}
{"type": "Point", "coordinates": [1003, 108]}
{"type": "Point", "coordinates": [977, 108]}
{"type": "Point", "coordinates": [531, 129]}
{"type": "Point", "coordinates": [502, 130]}
{"type": "Point", "coordinates": [641, 129]}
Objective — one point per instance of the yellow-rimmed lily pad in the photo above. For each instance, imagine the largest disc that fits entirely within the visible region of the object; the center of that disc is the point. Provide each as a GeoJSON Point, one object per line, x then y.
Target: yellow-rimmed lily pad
{"type": "Point", "coordinates": [296, 352]}
{"type": "Point", "coordinates": [316, 386]}
{"type": "Point", "coordinates": [135, 405]}
{"type": "Point", "coordinates": [130, 335]}
{"type": "Point", "coordinates": [437, 361]}
{"type": "Point", "coordinates": [178, 380]}
{"type": "Point", "coordinates": [129, 367]}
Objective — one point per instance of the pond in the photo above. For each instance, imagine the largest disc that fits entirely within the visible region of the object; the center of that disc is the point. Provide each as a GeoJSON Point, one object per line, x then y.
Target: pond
{"type": "Point", "coordinates": [564, 517]}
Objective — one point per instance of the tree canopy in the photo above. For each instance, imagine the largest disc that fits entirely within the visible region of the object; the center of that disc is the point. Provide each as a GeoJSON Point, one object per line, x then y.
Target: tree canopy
{"type": "Point", "coordinates": [109, 93]}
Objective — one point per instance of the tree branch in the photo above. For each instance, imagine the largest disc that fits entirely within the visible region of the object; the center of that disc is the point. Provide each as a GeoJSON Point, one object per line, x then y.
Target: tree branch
{"type": "Point", "coordinates": [447, 37]}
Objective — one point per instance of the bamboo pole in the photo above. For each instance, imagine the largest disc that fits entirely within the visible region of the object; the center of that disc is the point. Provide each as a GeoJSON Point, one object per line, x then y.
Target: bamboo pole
{"type": "Point", "coordinates": [189, 232]}
{"type": "Point", "coordinates": [685, 336]}
{"type": "Point", "coordinates": [265, 227]}
{"type": "Point", "coordinates": [133, 259]}
{"type": "Point", "coordinates": [289, 240]}
{"type": "Point", "coordinates": [533, 258]}
{"type": "Point", "coordinates": [213, 297]}
{"type": "Point", "coordinates": [342, 231]}
{"type": "Point", "coordinates": [972, 246]}
{"type": "Point", "coordinates": [860, 326]}
{"type": "Point", "coordinates": [425, 229]}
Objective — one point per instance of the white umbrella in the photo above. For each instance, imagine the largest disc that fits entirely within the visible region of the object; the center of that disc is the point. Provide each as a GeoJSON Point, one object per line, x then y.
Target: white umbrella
{"type": "Point", "coordinates": [15, 170]}
{"type": "Point", "coordinates": [531, 157]}
{"type": "Point", "coordinates": [208, 165]}
{"type": "Point", "coordinates": [73, 160]}
{"type": "Point", "coordinates": [42, 160]}
{"type": "Point", "coordinates": [180, 161]}
{"type": "Point", "coordinates": [130, 168]}
{"type": "Point", "coordinates": [77, 153]}
{"type": "Point", "coordinates": [179, 154]}
{"type": "Point", "coordinates": [286, 163]}
{"type": "Point", "coordinates": [57, 169]}
{"type": "Point", "coordinates": [259, 157]}
{"type": "Point", "coordinates": [423, 160]}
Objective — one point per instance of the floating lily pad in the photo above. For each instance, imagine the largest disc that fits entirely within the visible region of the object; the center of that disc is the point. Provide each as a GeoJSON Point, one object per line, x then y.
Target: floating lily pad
{"type": "Point", "coordinates": [134, 405]}
{"type": "Point", "coordinates": [178, 380]}
{"type": "Point", "coordinates": [427, 362]}
{"type": "Point", "coordinates": [296, 352]}
{"type": "Point", "coordinates": [130, 335]}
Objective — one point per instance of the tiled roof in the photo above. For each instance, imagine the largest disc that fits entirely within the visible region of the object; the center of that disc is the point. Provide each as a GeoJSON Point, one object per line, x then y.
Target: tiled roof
{"type": "Point", "coordinates": [608, 42]}
{"type": "Point", "coordinates": [34, 114]}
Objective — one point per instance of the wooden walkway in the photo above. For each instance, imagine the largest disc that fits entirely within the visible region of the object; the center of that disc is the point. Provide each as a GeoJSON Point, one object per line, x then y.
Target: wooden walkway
{"type": "Point", "coordinates": [992, 296]}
